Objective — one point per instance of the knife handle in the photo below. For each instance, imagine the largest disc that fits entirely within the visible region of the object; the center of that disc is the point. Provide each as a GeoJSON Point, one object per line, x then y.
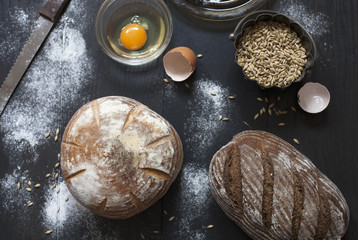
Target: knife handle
{"type": "Point", "coordinates": [53, 8]}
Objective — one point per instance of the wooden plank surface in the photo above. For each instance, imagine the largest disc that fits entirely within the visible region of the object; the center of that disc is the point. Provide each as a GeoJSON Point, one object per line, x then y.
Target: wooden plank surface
{"type": "Point", "coordinates": [71, 70]}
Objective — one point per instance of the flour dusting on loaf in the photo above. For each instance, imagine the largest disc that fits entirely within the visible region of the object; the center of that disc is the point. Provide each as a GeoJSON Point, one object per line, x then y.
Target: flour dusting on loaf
{"type": "Point", "coordinates": [272, 191]}
{"type": "Point", "coordinates": [119, 157]}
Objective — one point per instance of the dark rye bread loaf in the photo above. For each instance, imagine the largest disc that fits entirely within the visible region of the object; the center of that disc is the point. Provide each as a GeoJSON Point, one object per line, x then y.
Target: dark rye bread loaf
{"type": "Point", "coordinates": [272, 191]}
{"type": "Point", "coordinates": [118, 157]}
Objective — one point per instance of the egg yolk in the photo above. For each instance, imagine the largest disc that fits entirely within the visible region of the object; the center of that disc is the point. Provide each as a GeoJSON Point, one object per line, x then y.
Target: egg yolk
{"type": "Point", "coordinates": [133, 36]}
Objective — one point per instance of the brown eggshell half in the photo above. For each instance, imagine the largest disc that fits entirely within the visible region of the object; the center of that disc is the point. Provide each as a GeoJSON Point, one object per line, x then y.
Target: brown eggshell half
{"type": "Point", "coordinates": [179, 63]}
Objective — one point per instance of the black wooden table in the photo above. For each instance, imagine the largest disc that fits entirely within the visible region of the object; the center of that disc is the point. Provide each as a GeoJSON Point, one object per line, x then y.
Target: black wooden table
{"type": "Point", "coordinates": [71, 69]}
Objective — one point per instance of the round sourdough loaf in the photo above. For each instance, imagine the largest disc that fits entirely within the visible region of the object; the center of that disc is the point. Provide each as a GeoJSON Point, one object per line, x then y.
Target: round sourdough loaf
{"type": "Point", "coordinates": [272, 191]}
{"type": "Point", "coordinates": [118, 157]}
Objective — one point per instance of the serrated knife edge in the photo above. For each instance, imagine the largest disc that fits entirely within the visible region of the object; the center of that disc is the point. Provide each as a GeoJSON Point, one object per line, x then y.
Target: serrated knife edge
{"type": "Point", "coordinates": [49, 14]}
{"type": "Point", "coordinates": [24, 59]}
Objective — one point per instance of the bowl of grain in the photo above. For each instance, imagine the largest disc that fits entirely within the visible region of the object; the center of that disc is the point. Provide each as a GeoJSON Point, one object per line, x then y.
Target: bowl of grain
{"type": "Point", "coordinates": [272, 49]}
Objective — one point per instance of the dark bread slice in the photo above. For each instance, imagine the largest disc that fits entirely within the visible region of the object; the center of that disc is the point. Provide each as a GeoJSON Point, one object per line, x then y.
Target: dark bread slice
{"type": "Point", "coordinates": [272, 191]}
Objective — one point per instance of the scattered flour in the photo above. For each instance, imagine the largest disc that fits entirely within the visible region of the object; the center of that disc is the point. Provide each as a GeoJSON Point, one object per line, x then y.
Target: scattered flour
{"type": "Point", "coordinates": [60, 215]}
{"type": "Point", "coordinates": [202, 127]}
{"type": "Point", "coordinates": [194, 196]}
{"type": "Point", "coordinates": [316, 23]}
{"type": "Point", "coordinates": [53, 81]}
{"type": "Point", "coordinates": [12, 198]}
{"type": "Point", "coordinates": [20, 25]}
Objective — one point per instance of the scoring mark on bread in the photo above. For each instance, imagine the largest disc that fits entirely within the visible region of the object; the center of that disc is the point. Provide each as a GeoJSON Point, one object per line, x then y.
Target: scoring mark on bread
{"type": "Point", "coordinates": [102, 207]}
{"type": "Point", "coordinates": [159, 141]}
{"type": "Point", "coordinates": [72, 144]}
{"type": "Point", "coordinates": [136, 201]}
{"type": "Point", "coordinates": [75, 175]}
{"type": "Point", "coordinates": [156, 173]}
{"type": "Point", "coordinates": [324, 217]}
{"type": "Point", "coordinates": [298, 204]}
{"type": "Point", "coordinates": [267, 195]}
{"type": "Point", "coordinates": [131, 115]}
{"type": "Point", "coordinates": [233, 177]}
{"type": "Point", "coordinates": [95, 109]}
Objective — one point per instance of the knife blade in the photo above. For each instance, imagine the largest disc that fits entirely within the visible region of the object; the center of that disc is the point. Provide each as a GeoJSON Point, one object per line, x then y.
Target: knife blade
{"type": "Point", "coordinates": [49, 15]}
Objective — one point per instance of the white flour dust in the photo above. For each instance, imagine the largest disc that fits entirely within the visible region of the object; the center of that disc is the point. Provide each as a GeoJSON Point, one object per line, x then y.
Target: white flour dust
{"type": "Point", "coordinates": [12, 30]}
{"type": "Point", "coordinates": [194, 196]}
{"type": "Point", "coordinates": [52, 82]}
{"type": "Point", "coordinates": [14, 198]}
{"type": "Point", "coordinates": [202, 126]}
{"type": "Point", "coordinates": [61, 211]}
{"type": "Point", "coordinates": [316, 23]}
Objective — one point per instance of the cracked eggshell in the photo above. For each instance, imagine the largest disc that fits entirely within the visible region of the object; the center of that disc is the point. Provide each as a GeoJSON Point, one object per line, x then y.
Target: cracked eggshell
{"type": "Point", "coordinates": [313, 97]}
{"type": "Point", "coordinates": [179, 63]}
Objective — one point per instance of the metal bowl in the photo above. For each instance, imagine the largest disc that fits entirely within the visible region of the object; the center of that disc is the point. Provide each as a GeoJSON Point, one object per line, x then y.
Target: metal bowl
{"type": "Point", "coordinates": [268, 15]}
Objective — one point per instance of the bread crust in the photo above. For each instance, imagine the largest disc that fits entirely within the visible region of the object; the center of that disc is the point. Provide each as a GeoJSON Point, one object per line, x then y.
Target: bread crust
{"type": "Point", "coordinates": [118, 157]}
{"type": "Point", "coordinates": [280, 195]}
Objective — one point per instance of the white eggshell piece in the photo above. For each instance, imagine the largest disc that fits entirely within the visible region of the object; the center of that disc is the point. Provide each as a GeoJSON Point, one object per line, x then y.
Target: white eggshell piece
{"type": "Point", "coordinates": [177, 66]}
{"type": "Point", "coordinates": [313, 97]}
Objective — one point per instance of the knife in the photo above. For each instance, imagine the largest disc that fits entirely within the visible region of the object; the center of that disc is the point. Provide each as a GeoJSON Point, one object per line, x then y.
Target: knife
{"type": "Point", "coordinates": [49, 15]}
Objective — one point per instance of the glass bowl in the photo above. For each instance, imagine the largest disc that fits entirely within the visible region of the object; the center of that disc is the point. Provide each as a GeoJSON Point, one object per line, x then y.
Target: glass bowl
{"type": "Point", "coordinates": [154, 16]}
{"type": "Point", "coordinates": [223, 10]}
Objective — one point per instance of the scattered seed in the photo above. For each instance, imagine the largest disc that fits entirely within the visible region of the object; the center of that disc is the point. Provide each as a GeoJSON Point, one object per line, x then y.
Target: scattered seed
{"type": "Point", "coordinates": [259, 99]}
{"type": "Point", "coordinates": [269, 111]}
{"type": "Point", "coordinates": [156, 231]}
{"type": "Point", "coordinates": [210, 226]}
{"type": "Point", "coordinates": [261, 112]}
{"type": "Point", "coordinates": [47, 134]}
{"type": "Point", "coordinates": [28, 189]}
{"type": "Point", "coordinates": [278, 98]}
{"type": "Point", "coordinates": [226, 119]}
{"type": "Point", "coordinates": [296, 141]}
{"type": "Point", "coordinates": [281, 124]}
{"type": "Point", "coordinates": [57, 131]}
{"type": "Point", "coordinates": [66, 199]}
{"type": "Point", "coordinates": [263, 109]}
{"type": "Point", "coordinates": [37, 185]}
{"type": "Point", "coordinates": [55, 138]}
{"type": "Point", "coordinates": [199, 55]}
{"type": "Point", "coordinates": [165, 212]}
{"type": "Point", "coordinates": [246, 124]}
{"type": "Point", "coordinates": [271, 105]}
{"type": "Point", "coordinates": [58, 190]}
{"type": "Point", "coordinates": [220, 117]}
{"type": "Point", "coordinates": [231, 97]}
{"type": "Point", "coordinates": [256, 116]}
{"type": "Point", "coordinates": [165, 80]}
{"type": "Point", "coordinates": [53, 186]}
{"type": "Point", "coordinates": [187, 85]}
{"type": "Point", "coordinates": [58, 208]}
{"type": "Point", "coordinates": [18, 185]}
{"type": "Point", "coordinates": [142, 236]}
{"type": "Point", "coordinates": [48, 232]}
{"type": "Point", "coordinates": [56, 175]}
{"type": "Point", "coordinates": [30, 204]}
{"type": "Point", "coordinates": [59, 156]}
{"type": "Point", "coordinates": [266, 100]}
{"type": "Point", "coordinates": [293, 108]}
{"type": "Point", "coordinates": [213, 93]}
{"type": "Point", "coordinates": [29, 183]}
{"type": "Point", "coordinates": [56, 165]}
{"type": "Point", "coordinates": [171, 218]}
{"type": "Point", "coordinates": [48, 175]}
